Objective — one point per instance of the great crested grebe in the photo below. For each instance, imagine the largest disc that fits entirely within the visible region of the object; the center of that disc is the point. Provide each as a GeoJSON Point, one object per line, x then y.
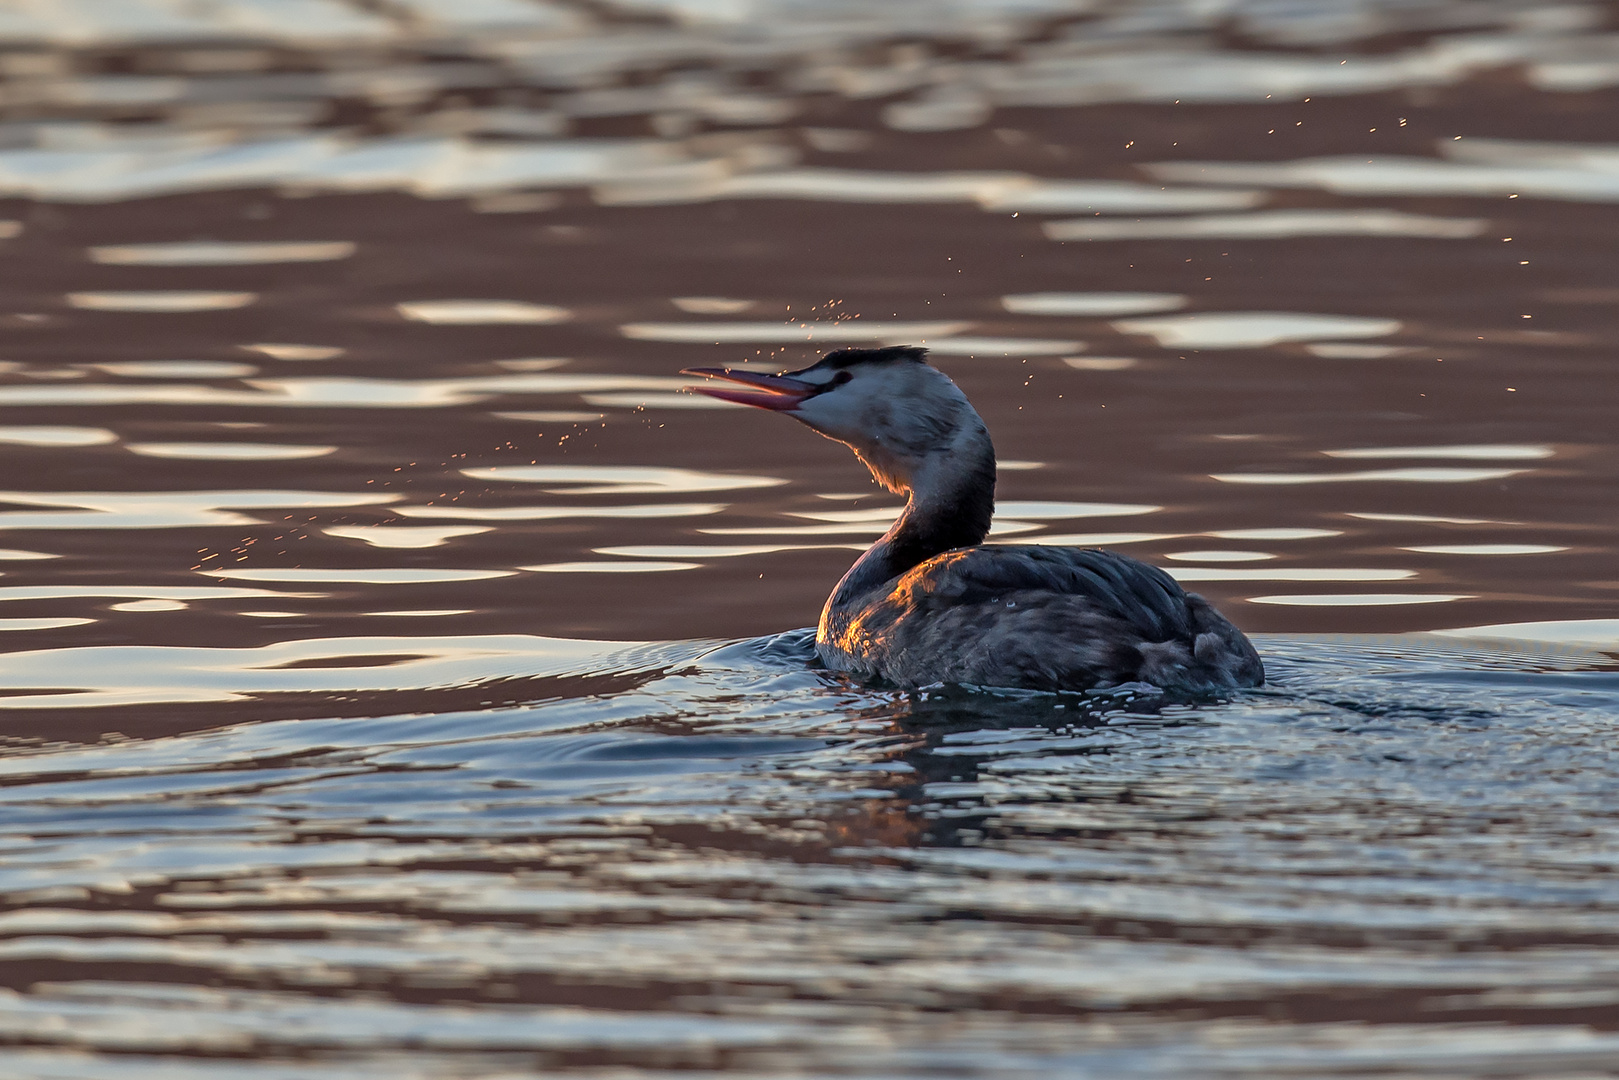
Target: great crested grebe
{"type": "Point", "coordinates": [927, 604]}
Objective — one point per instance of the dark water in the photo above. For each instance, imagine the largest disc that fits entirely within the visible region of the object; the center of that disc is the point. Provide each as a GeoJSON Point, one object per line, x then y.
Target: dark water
{"type": "Point", "coordinates": [379, 697]}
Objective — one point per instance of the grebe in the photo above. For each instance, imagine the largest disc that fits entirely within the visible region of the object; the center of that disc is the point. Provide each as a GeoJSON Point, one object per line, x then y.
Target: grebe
{"type": "Point", "coordinates": [927, 604]}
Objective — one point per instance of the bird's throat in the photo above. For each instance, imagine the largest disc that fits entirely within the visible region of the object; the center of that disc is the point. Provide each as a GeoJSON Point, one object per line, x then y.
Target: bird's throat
{"type": "Point", "coordinates": [948, 506]}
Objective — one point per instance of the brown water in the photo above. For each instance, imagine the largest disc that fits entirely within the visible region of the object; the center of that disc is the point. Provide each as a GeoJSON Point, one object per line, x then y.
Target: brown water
{"type": "Point", "coordinates": [379, 697]}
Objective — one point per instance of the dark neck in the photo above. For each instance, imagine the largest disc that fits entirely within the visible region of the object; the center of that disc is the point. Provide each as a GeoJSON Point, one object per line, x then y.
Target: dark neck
{"type": "Point", "coordinates": [949, 507]}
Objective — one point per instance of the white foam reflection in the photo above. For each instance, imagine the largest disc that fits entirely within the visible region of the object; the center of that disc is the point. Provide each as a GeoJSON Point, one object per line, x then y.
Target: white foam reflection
{"type": "Point", "coordinates": [1091, 304]}
{"type": "Point", "coordinates": [481, 312]}
{"type": "Point", "coordinates": [229, 451]}
{"type": "Point", "coordinates": [1252, 329]}
{"type": "Point", "coordinates": [163, 509]}
{"type": "Point", "coordinates": [1465, 452]}
{"type": "Point", "coordinates": [768, 333]}
{"type": "Point", "coordinates": [45, 435]}
{"type": "Point", "coordinates": [405, 536]}
{"type": "Point", "coordinates": [1435, 475]}
{"type": "Point", "coordinates": [1271, 225]}
{"type": "Point", "coordinates": [621, 479]}
{"type": "Point", "coordinates": [20, 555]}
{"type": "Point", "coordinates": [165, 301]}
{"type": "Point", "coordinates": [217, 253]}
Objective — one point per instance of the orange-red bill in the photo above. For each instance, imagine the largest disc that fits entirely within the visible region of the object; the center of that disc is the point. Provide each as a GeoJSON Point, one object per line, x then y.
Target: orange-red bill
{"type": "Point", "coordinates": [778, 393]}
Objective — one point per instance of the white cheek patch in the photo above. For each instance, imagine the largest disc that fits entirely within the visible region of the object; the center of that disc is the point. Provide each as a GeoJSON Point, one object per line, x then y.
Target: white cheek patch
{"type": "Point", "coordinates": [838, 416]}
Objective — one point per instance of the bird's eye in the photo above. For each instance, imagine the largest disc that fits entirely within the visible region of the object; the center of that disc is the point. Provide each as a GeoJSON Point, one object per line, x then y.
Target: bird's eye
{"type": "Point", "coordinates": [841, 377]}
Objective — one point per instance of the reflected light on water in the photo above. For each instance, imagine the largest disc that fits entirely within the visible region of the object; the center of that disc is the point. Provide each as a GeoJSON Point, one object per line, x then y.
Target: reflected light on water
{"type": "Point", "coordinates": [229, 451]}
{"type": "Point", "coordinates": [1096, 540]}
{"type": "Point", "coordinates": [171, 301]}
{"type": "Point", "coordinates": [1358, 599]}
{"type": "Point", "coordinates": [216, 253]}
{"type": "Point", "coordinates": [1286, 573]}
{"type": "Point", "coordinates": [43, 435]}
{"type": "Point", "coordinates": [546, 513]}
{"type": "Point", "coordinates": [41, 624]}
{"type": "Point", "coordinates": [1099, 363]}
{"type": "Point", "coordinates": [405, 536]}
{"type": "Point", "coordinates": [1275, 534]}
{"type": "Point", "coordinates": [621, 479]}
{"type": "Point", "coordinates": [1251, 329]}
{"type": "Point", "coordinates": [1597, 633]}
{"type": "Point", "coordinates": [986, 346]}
{"type": "Point", "coordinates": [481, 312]}
{"type": "Point", "coordinates": [1423, 518]}
{"type": "Point", "coordinates": [711, 305]}
{"type": "Point", "coordinates": [364, 575]}
{"type": "Point", "coordinates": [857, 330]}
{"type": "Point", "coordinates": [296, 352]}
{"type": "Point", "coordinates": [177, 369]}
{"type": "Point", "coordinates": [164, 509]}
{"type": "Point", "coordinates": [710, 551]}
{"type": "Point", "coordinates": [647, 566]}
{"type": "Point", "coordinates": [1217, 555]}
{"type": "Point", "coordinates": [1486, 549]}
{"type": "Point", "coordinates": [1400, 476]}
{"type": "Point", "coordinates": [1271, 225]}
{"type": "Point", "coordinates": [1478, 452]}
{"type": "Point", "coordinates": [1091, 304]}
{"type": "Point", "coordinates": [1349, 350]}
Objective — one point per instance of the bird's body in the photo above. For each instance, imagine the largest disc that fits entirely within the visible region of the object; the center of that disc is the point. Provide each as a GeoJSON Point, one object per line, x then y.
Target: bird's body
{"type": "Point", "coordinates": [929, 603]}
{"type": "Point", "coordinates": [1043, 618]}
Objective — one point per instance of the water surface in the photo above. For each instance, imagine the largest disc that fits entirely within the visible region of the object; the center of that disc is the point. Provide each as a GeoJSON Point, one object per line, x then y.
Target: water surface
{"type": "Point", "coordinates": [401, 673]}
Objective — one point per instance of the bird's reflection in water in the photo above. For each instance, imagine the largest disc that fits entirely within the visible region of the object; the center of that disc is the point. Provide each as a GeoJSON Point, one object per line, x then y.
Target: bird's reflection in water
{"type": "Point", "coordinates": [943, 787]}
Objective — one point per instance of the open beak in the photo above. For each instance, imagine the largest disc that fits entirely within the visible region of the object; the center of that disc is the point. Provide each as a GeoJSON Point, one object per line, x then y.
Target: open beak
{"type": "Point", "coordinates": [778, 393]}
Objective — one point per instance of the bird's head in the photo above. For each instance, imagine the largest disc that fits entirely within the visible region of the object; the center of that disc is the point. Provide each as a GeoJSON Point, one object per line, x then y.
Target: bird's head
{"type": "Point", "coordinates": [902, 416]}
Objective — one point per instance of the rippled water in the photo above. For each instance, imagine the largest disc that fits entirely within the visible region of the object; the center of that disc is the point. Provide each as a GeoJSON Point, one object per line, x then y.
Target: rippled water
{"type": "Point", "coordinates": [380, 694]}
